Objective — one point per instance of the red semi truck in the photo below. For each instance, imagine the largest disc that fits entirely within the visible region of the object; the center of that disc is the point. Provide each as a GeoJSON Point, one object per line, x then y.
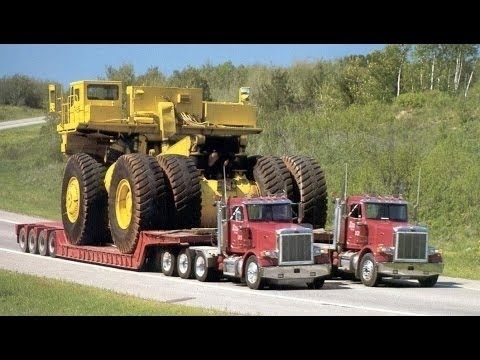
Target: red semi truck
{"type": "Point", "coordinates": [372, 239]}
{"type": "Point", "coordinates": [256, 241]}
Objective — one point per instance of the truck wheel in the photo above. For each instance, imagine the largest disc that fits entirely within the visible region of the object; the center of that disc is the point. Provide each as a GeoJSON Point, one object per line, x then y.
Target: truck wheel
{"type": "Point", "coordinates": [169, 263]}
{"type": "Point", "coordinates": [23, 240]}
{"type": "Point", "coordinates": [154, 262]}
{"type": "Point", "coordinates": [252, 274]}
{"type": "Point", "coordinates": [272, 176]}
{"type": "Point", "coordinates": [316, 284]}
{"type": "Point", "coordinates": [309, 188]}
{"type": "Point", "coordinates": [185, 263]}
{"type": "Point", "coordinates": [202, 271]}
{"type": "Point", "coordinates": [182, 180]}
{"type": "Point", "coordinates": [134, 202]}
{"type": "Point", "coordinates": [43, 243]}
{"type": "Point", "coordinates": [368, 271]}
{"type": "Point", "coordinates": [428, 281]}
{"type": "Point", "coordinates": [51, 244]}
{"type": "Point", "coordinates": [32, 242]}
{"type": "Point", "coordinates": [84, 201]}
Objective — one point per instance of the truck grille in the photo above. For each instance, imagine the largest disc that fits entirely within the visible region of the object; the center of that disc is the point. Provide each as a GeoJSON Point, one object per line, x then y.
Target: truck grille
{"type": "Point", "coordinates": [411, 244]}
{"type": "Point", "coordinates": [295, 249]}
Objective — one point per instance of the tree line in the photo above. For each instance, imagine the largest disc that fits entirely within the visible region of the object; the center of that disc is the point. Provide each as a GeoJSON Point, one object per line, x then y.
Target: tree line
{"type": "Point", "coordinates": [320, 85]}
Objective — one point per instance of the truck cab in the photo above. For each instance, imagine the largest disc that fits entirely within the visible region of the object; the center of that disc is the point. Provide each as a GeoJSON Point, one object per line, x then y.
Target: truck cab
{"type": "Point", "coordinates": [376, 240]}
{"type": "Point", "coordinates": [260, 243]}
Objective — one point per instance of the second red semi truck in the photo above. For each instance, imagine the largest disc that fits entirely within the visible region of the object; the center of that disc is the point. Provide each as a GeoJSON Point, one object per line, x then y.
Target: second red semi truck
{"type": "Point", "coordinates": [372, 239]}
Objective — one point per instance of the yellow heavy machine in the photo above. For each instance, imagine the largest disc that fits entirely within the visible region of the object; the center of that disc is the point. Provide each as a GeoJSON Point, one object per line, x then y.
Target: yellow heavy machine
{"type": "Point", "coordinates": [159, 157]}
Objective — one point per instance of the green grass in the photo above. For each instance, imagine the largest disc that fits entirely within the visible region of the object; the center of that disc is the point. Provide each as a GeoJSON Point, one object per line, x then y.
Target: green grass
{"type": "Point", "coordinates": [8, 113]}
{"type": "Point", "coordinates": [26, 295]}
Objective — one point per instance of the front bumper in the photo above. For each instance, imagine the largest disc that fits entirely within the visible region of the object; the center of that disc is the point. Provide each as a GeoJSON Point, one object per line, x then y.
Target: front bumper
{"type": "Point", "coordinates": [410, 270]}
{"type": "Point", "coordinates": [296, 272]}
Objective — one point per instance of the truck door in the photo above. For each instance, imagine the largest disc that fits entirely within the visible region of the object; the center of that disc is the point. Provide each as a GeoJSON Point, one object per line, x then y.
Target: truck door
{"type": "Point", "coordinates": [356, 227]}
{"type": "Point", "coordinates": [75, 105]}
{"type": "Point", "coordinates": [239, 234]}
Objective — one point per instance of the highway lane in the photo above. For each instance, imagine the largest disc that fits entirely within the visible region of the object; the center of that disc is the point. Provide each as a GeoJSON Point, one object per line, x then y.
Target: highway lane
{"type": "Point", "coordinates": [23, 122]}
{"type": "Point", "coordinates": [450, 297]}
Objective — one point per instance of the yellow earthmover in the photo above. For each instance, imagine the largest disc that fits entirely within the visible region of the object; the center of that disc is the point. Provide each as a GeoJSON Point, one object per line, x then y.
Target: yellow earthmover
{"type": "Point", "coordinates": [159, 157]}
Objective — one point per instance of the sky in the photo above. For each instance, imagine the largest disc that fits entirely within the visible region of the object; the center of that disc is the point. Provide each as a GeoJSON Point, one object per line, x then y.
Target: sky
{"type": "Point", "coordinates": [65, 63]}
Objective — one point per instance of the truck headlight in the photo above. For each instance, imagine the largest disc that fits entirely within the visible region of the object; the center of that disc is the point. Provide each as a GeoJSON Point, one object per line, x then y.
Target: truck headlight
{"type": "Point", "coordinates": [388, 250]}
{"type": "Point", "coordinates": [273, 254]}
{"type": "Point", "coordinates": [434, 251]}
{"type": "Point", "coordinates": [318, 250]}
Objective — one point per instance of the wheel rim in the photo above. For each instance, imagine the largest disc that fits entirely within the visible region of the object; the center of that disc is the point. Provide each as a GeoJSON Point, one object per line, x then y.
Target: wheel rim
{"type": "Point", "coordinates": [183, 263]}
{"type": "Point", "coordinates": [123, 204]}
{"type": "Point", "coordinates": [166, 261]}
{"type": "Point", "coordinates": [200, 266]}
{"type": "Point", "coordinates": [72, 199]}
{"type": "Point", "coordinates": [252, 273]}
{"type": "Point", "coordinates": [367, 270]}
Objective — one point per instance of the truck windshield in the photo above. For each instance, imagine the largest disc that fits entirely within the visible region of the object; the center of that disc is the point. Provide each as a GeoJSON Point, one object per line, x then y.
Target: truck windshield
{"type": "Point", "coordinates": [102, 92]}
{"type": "Point", "coordinates": [395, 212]}
{"type": "Point", "coordinates": [269, 212]}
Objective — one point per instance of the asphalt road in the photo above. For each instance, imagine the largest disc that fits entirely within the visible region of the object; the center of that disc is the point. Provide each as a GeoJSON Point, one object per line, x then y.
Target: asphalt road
{"type": "Point", "coordinates": [24, 122]}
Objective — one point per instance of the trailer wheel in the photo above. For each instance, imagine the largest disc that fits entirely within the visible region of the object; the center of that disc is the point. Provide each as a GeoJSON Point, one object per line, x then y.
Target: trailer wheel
{"type": "Point", "coordinates": [252, 276]}
{"type": "Point", "coordinates": [84, 201]}
{"type": "Point", "coordinates": [202, 271]}
{"type": "Point", "coordinates": [272, 176]}
{"type": "Point", "coordinates": [428, 281]}
{"type": "Point", "coordinates": [43, 243]}
{"type": "Point", "coordinates": [51, 244]}
{"type": "Point", "coordinates": [185, 260]}
{"type": "Point", "coordinates": [368, 271]}
{"type": "Point", "coordinates": [134, 200]}
{"type": "Point", "coordinates": [22, 240]}
{"type": "Point", "coordinates": [169, 263]}
{"type": "Point", "coordinates": [32, 242]}
{"type": "Point", "coordinates": [309, 188]}
{"type": "Point", "coordinates": [154, 261]}
{"type": "Point", "coordinates": [182, 180]}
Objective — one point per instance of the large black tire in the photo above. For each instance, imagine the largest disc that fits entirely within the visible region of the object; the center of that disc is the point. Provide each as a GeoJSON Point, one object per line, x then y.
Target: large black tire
{"type": "Point", "coordinates": [252, 274]}
{"type": "Point", "coordinates": [135, 199]}
{"type": "Point", "coordinates": [272, 176]}
{"type": "Point", "coordinates": [84, 201]}
{"type": "Point", "coordinates": [368, 271]}
{"type": "Point", "coordinates": [182, 180]}
{"type": "Point", "coordinates": [309, 188]}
